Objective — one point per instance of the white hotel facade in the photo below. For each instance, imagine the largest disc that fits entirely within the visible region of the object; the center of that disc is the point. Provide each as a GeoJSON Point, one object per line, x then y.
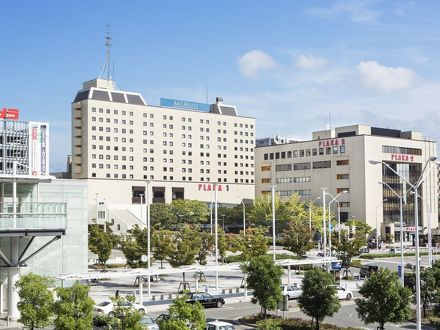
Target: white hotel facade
{"type": "Point", "coordinates": [119, 142]}
{"type": "Point", "coordinates": [338, 159]}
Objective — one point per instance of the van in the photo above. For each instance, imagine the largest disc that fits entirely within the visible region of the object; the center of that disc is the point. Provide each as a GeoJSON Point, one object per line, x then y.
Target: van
{"type": "Point", "coordinates": [367, 270]}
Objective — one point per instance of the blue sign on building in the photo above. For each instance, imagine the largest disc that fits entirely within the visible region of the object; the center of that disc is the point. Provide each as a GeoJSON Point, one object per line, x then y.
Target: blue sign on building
{"type": "Point", "coordinates": [188, 105]}
{"type": "Point", "coordinates": [336, 265]}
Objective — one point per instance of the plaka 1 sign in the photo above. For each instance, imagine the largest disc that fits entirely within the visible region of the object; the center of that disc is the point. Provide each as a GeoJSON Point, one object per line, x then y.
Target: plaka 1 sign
{"type": "Point", "coordinates": [212, 187]}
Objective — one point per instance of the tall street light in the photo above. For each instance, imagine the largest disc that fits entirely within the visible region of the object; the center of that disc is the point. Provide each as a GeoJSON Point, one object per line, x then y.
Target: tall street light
{"type": "Point", "coordinates": [210, 208]}
{"type": "Point", "coordinates": [244, 218]}
{"type": "Point", "coordinates": [334, 198]}
{"type": "Point", "coordinates": [429, 229]}
{"type": "Point", "coordinates": [401, 197]}
{"type": "Point", "coordinates": [216, 234]}
{"type": "Point", "coordinates": [324, 230]}
{"type": "Point", "coordinates": [415, 187]}
{"type": "Point", "coordinates": [377, 222]}
{"type": "Point", "coordinates": [273, 219]}
{"type": "Point", "coordinates": [310, 214]}
{"type": "Point", "coordinates": [147, 201]}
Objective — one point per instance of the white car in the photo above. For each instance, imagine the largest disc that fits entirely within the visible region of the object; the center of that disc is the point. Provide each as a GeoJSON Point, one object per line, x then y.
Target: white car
{"type": "Point", "coordinates": [342, 293]}
{"type": "Point", "coordinates": [106, 307]}
{"type": "Point", "coordinates": [148, 323]}
{"type": "Point", "coordinates": [291, 291]}
{"type": "Point", "coordinates": [219, 325]}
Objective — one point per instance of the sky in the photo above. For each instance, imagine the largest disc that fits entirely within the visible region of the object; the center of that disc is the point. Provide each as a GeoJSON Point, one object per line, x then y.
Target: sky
{"type": "Point", "coordinates": [296, 66]}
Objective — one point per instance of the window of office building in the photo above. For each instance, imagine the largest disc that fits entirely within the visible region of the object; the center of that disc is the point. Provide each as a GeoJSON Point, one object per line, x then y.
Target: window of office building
{"type": "Point", "coordinates": [283, 167]}
{"type": "Point", "coordinates": [266, 180]}
{"type": "Point", "coordinates": [322, 164]}
{"type": "Point", "coordinates": [301, 166]}
{"type": "Point", "coordinates": [342, 176]}
{"type": "Point", "coordinates": [342, 162]}
{"type": "Point", "coordinates": [266, 168]}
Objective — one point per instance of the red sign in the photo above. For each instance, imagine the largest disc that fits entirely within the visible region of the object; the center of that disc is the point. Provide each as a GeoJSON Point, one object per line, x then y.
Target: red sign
{"type": "Point", "coordinates": [332, 142]}
{"type": "Point", "coordinates": [410, 229]}
{"type": "Point", "coordinates": [405, 158]}
{"type": "Point", "coordinates": [9, 113]}
{"type": "Point", "coordinates": [210, 187]}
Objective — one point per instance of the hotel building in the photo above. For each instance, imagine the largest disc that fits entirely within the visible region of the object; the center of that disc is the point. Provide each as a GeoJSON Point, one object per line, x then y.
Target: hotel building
{"type": "Point", "coordinates": [338, 159]}
{"type": "Point", "coordinates": [185, 149]}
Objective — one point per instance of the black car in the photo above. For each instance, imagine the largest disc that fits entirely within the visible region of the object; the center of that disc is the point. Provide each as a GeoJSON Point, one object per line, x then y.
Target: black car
{"type": "Point", "coordinates": [205, 299]}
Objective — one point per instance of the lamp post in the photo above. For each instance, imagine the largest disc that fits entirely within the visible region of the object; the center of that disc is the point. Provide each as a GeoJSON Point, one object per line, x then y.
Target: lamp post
{"type": "Point", "coordinates": [142, 212]}
{"type": "Point", "coordinates": [273, 219]}
{"type": "Point", "coordinates": [147, 202]}
{"type": "Point", "coordinates": [324, 230]}
{"type": "Point", "coordinates": [210, 208]}
{"type": "Point", "coordinates": [244, 218]}
{"type": "Point", "coordinates": [415, 187]}
{"type": "Point", "coordinates": [334, 198]}
{"type": "Point", "coordinates": [429, 230]}
{"type": "Point", "coordinates": [377, 223]}
{"type": "Point", "coordinates": [216, 235]}
{"type": "Point", "coordinates": [402, 278]}
{"type": "Point", "coordinates": [310, 214]}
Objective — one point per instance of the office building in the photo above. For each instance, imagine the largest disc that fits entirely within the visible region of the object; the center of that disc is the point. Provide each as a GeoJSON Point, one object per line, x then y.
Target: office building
{"type": "Point", "coordinates": [338, 159]}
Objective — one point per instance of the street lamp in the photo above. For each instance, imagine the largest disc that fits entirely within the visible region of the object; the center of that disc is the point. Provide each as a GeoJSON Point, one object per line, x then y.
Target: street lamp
{"type": "Point", "coordinates": [335, 198]}
{"type": "Point", "coordinates": [377, 223]}
{"type": "Point", "coordinates": [415, 187]}
{"type": "Point", "coordinates": [324, 230]}
{"type": "Point", "coordinates": [244, 218]}
{"type": "Point", "coordinates": [429, 230]}
{"type": "Point", "coordinates": [210, 208]}
{"type": "Point", "coordinates": [310, 214]}
{"type": "Point", "coordinates": [147, 202]}
{"type": "Point", "coordinates": [273, 219]}
{"type": "Point", "coordinates": [142, 212]}
{"type": "Point", "coordinates": [401, 197]}
{"type": "Point", "coordinates": [216, 235]}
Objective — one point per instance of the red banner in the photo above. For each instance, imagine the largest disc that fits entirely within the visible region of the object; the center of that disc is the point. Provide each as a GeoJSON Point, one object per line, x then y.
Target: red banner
{"type": "Point", "coordinates": [9, 113]}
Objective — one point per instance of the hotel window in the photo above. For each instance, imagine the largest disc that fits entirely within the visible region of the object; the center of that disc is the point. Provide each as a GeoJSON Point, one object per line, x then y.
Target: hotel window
{"type": "Point", "coordinates": [344, 204]}
{"type": "Point", "coordinates": [307, 152]}
{"type": "Point", "coordinates": [301, 166]}
{"type": "Point", "coordinates": [301, 153]}
{"type": "Point", "coordinates": [295, 153]}
{"type": "Point", "coordinates": [342, 149]}
{"type": "Point", "coordinates": [328, 150]}
{"type": "Point", "coordinates": [335, 150]}
{"type": "Point", "coordinates": [342, 176]}
{"type": "Point", "coordinates": [339, 190]}
{"type": "Point", "coordinates": [315, 152]}
{"type": "Point", "coordinates": [401, 150]}
{"type": "Point", "coordinates": [321, 151]}
{"type": "Point", "coordinates": [284, 167]}
{"type": "Point", "coordinates": [284, 180]}
{"type": "Point", "coordinates": [289, 154]}
{"type": "Point", "coordinates": [266, 156]}
{"type": "Point", "coordinates": [342, 162]}
{"type": "Point", "coordinates": [266, 168]}
{"type": "Point", "coordinates": [283, 155]}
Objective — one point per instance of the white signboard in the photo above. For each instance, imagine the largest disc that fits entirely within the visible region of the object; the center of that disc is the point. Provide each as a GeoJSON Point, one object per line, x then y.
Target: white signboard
{"type": "Point", "coordinates": [38, 149]}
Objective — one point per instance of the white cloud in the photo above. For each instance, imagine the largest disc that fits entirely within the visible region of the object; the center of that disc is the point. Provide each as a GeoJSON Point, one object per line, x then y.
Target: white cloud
{"type": "Point", "coordinates": [251, 63]}
{"type": "Point", "coordinates": [357, 11]}
{"type": "Point", "coordinates": [310, 62]}
{"type": "Point", "coordinates": [387, 79]}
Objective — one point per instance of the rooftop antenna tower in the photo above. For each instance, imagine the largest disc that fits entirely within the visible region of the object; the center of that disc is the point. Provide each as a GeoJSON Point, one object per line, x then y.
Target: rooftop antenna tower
{"type": "Point", "coordinates": [106, 71]}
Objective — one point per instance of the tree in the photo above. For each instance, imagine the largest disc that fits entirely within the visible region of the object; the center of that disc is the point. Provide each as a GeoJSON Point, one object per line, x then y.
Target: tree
{"type": "Point", "coordinates": [360, 227]}
{"type": "Point", "coordinates": [185, 247]}
{"type": "Point", "coordinates": [184, 316]}
{"type": "Point", "coordinates": [74, 308]}
{"type": "Point", "coordinates": [297, 238]}
{"type": "Point", "coordinates": [264, 278]}
{"type": "Point", "coordinates": [100, 243]}
{"type": "Point", "coordinates": [384, 299]}
{"type": "Point", "coordinates": [428, 288]}
{"type": "Point", "coordinates": [318, 299]}
{"type": "Point", "coordinates": [135, 246]}
{"type": "Point", "coordinates": [162, 244]}
{"type": "Point", "coordinates": [36, 301]}
{"type": "Point", "coordinates": [189, 211]}
{"type": "Point", "coordinates": [348, 248]}
{"type": "Point", "coordinates": [254, 243]}
{"type": "Point", "coordinates": [125, 315]}
{"type": "Point", "coordinates": [206, 246]}
{"type": "Point", "coordinates": [162, 217]}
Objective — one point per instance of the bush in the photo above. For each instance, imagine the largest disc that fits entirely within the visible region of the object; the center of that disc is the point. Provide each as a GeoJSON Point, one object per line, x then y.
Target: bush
{"type": "Point", "coordinates": [389, 255]}
{"type": "Point", "coordinates": [276, 323]}
{"type": "Point", "coordinates": [238, 258]}
{"type": "Point", "coordinates": [269, 324]}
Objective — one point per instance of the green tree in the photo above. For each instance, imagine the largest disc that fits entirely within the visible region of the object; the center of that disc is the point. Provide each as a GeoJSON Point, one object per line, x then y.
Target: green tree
{"type": "Point", "coordinates": [133, 252]}
{"type": "Point", "coordinates": [162, 216]}
{"type": "Point", "coordinates": [185, 247]}
{"type": "Point", "coordinates": [189, 211]}
{"type": "Point", "coordinates": [360, 227]}
{"type": "Point", "coordinates": [184, 316]}
{"type": "Point", "coordinates": [100, 243]}
{"type": "Point", "coordinates": [36, 301]}
{"type": "Point", "coordinates": [384, 299]}
{"type": "Point", "coordinates": [264, 278]}
{"type": "Point", "coordinates": [348, 248]}
{"type": "Point", "coordinates": [73, 308]}
{"type": "Point", "coordinates": [318, 299]}
{"type": "Point", "coordinates": [428, 288]}
{"type": "Point", "coordinates": [297, 238]}
{"type": "Point", "coordinates": [162, 244]}
{"type": "Point", "coordinates": [124, 315]}
{"type": "Point", "coordinates": [254, 243]}
{"type": "Point", "coordinates": [206, 246]}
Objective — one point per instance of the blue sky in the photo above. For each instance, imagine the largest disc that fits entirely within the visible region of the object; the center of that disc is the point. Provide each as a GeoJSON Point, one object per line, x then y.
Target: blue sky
{"type": "Point", "coordinates": [290, 64]}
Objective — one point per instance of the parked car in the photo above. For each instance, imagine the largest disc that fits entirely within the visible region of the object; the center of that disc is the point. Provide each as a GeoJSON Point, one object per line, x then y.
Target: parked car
{"type": "Point", "coordinates": [205, 299]}
{"type": "Point", "coordinates": [147, 322]}
{"type": "Point", "coordinates": [367, 270]}
{"type": "Point", "coordinates": [364, 250]}
{"type": "Point", "coordinates": [291, 291]}
{"type": "Point", "coordinates": [219, 325]}
{"type": "Point", "coordinates": [106, 307]}
{"type": "Point", "coordinates": [162, 317]}
{"type": "Point", "coordinates": [342, 293]}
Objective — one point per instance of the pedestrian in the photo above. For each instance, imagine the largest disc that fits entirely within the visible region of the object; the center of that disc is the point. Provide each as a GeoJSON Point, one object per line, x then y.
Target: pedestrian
{"type": "Point", "coordinates": [117, 293]}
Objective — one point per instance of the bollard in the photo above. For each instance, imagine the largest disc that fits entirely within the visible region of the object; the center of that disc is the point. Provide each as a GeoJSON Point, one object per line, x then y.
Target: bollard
{"type": "Point", "coordinates": [230, 290]}
{"type": "Point", "coordinates": [161, 297]}
{"type": "Point", "coordinates": [237, 290]}
{"type": "Point", "coordinates": [223, 291]}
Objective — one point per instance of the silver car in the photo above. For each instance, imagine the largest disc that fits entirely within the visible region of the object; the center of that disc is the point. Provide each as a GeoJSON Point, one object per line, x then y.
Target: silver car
{"type": "Point", "coordinates": [291, 291]}
{"type": "Point", "coordinates": [148, 323]}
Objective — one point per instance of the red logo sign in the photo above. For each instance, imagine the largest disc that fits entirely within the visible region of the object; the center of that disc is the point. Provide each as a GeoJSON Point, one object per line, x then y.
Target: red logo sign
{"type": "Point", "coordinates": [331, 143]}
{"type": "Point", "coordinates": [9, 113]}
{"type": "Point", "coordinates": [210, 187]}
{"type": "Point", "coordinates": [405, 158]}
